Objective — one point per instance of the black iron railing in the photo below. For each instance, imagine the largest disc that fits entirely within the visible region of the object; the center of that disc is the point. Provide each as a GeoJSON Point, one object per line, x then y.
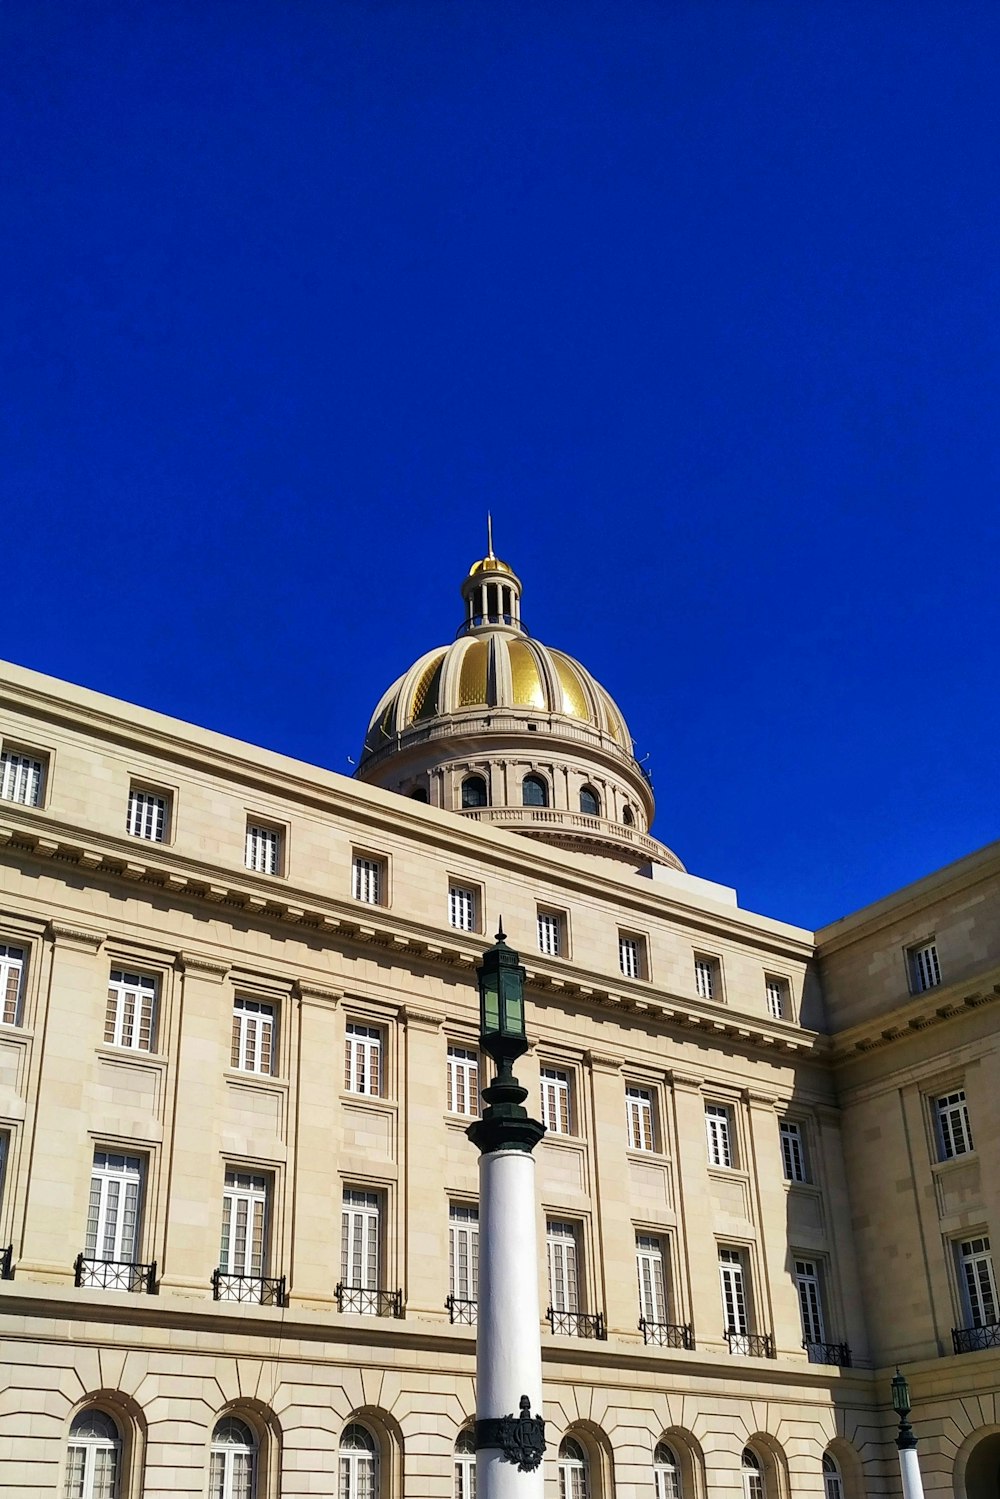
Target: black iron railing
{"type": "Point", "coordinates": [370, 1302]}
{"type": "Point", "coordinates": [828, 1353]}
{"type": "Point", "coordinates": [750, 1344]}
{"type": "Point", "coordinates": [256, 1290]}
{"type": "Point", "coordinates": [115, 1275]}
{"type": "Point", "coordinates": [971, 1339]}
{"type": "Point", "coordinates": [667, 1334]}
{"type": "Point", "coordinates": [7, 1263]}
{"type": "Point", "coordinates": [460, 1309]}
{"type": "Point", "coordinates": [577, 1324]}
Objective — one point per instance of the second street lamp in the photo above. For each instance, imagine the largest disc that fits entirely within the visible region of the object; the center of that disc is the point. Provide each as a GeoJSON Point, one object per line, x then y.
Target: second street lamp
{"type": "Point", "coordinates": [906, 1442]}
{"type": "Point", "coordinates": [510, 1440]}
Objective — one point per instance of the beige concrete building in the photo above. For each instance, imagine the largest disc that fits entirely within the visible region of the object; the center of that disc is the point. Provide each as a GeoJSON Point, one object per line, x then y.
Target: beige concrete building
{"type": "Point", "coordinates": [238, 1055]}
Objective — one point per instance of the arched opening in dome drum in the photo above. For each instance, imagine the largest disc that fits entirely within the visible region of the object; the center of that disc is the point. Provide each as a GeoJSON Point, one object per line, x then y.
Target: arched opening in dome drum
{"type": "Point", "coordinates": [590, 802]}
{"type": "Point", "coordinates": [420, 795]}
{"type": "Point", "coordinates": [534, 792]}
{"type": "Point", "coordinates": [474, 792]}
{"type": "Point", "coordinates": [628, 816]}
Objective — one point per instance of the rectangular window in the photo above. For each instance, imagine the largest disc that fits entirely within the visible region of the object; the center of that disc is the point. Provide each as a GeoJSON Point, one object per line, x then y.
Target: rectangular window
{"type": "Point", "coordinates": [953, 1130]}
{"type": "Point", "coordinates": [363, 1059]}
{"type": "Point", "coordinates": [631, 956]}
{"type": "Point", "coordinates": [360, 1240]}
{"type": "Point", "coordinates": [263, 849]}
{"type": "Point", "coordinates": [463, 1081]}
{"type": "Point", "coordinates": [564, 1292]}
{"type": "Point", "coordinates": [734, 1296]}
{"type": "Point", "coordinates": [639, 1114]}
{"type": "Point", "coordinates": [147, 815]}
{"type": "Point", "coordinates": [243, 1249]}
{"type": "Point", "coordinates": [21, 777]}
{"type": "Point", "coordinates": [706, 977]}
{"type": "Point", "coordinates": [462, 908]}
{"type": "Point", "coordinates": [925, 970]}
{"type": "Point", "coordinates": [979, 1287]}
{"type": "Point", "coordinates": [113, 1214]}
{"type": "Point", "coordinates": [463, 1252]}
{"type": "Point", "coordinates": [368, 880]}
{"type": "Point", "coordinates": [793, 1156]}
{"type": "Point", "coordinates": [810, 1302]}
{"type": "Point", "coordinates": [253, 1035]}
{"type": "Point", "coordinates": [131, 1013]}
{"type": "Point", "coordinates": [550, 933]}
{"type": "Point", "coordinates": [556, 1114]}
{"type": "Point", "coordinates": [776, 990]}
{"type": "Point", "coordinates": [718, 1124]}
{"type": "Point", "coordinates": [652, 1280]}
{"type": "Point", "coordinates": [12, 966]}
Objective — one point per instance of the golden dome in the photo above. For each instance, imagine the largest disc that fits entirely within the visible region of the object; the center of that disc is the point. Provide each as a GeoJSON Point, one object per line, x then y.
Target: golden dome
{"type": "Point", "coordinates": [495, 669]}
{"type": "Point", "coordinates": [490, 565]}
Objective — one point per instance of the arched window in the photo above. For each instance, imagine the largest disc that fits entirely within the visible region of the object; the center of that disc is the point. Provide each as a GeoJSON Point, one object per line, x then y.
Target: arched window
{"type": "Point", "coordinates": [833, 1484]}
{"type": "Point", "coordinates": [590, 802]}
{"type": "Point", "coordinates": [94, 1457]}
{"type": "Point", "coordinates": [628, 816]}
{"type": "Point", "coordinates": [474, 793]}
{"type": "Point", "coordinates": [753, 1475]}
{"type": "Point", "coordinates": [574, 1471]}
{"type": "Point", "coordinates": [233, 1474]}
{"type": "Point", "coordinates": [534, 792]}
{"type": "Point", "coordinates": [420, 795]}
{"type": "Point", "coordinates": [666, 1472]}
{"type": "Point", "coordinates": [465, 1466]}
{"type": "Point", "coordinates": [358, 1463]}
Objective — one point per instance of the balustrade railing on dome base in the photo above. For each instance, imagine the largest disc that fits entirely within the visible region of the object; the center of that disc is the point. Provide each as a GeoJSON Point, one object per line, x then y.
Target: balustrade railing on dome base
{"type": "Point", "coordinates": [577, 1324]}
{"type": "Point", "coordinates": [972, 1339]}
{"type": "Point", "coordinates": [750, 1344]}
{"type": "Point", "coordinates": [115, 1275]}
{"type": "Point", "coordinates": [253, 1290]}
{"type": "Point", "coordinates": [828, 1353]}
{"type": "Point", "coordinates": [460, 1309]}
{"type": "Point", "coordinates": [667, 1334]}
{"type": "Point", "coordinates": [370, 1301]}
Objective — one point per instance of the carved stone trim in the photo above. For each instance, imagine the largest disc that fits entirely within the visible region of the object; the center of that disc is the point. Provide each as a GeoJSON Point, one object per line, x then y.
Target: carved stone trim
{"type": "Point", "coordinates": [687, 1080]}
{"type": "Point", "coordinates": [759, 1100]}
{"type": "Point", "coordinates": [76, 936]}
{"type": "Point", "coordinates": [208, 968]}
{"type": "Point", "coordinates": [425, 1018]}
{"type": "Point", "coordinates": [308, 990]}
{"type": "Point", "coordinates": [604, 1060]}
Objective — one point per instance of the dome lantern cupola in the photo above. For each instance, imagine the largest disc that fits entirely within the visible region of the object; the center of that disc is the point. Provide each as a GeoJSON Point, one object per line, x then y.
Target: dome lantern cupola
{"type": "Point", "coordinates": [503, 729]}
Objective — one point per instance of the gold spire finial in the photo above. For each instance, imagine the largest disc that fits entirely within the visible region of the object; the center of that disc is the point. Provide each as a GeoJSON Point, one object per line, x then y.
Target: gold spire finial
{"type": "Point", "coordinates": [489, 534]}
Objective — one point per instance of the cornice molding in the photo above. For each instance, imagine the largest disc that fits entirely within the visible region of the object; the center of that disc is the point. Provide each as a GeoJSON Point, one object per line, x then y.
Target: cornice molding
{"type": "Point", "coordinates": [65, 935]}
{"type": "Point", "coordinates": [931, 1009]}
{"type": "Point", "coordinates": [604, 1061]}
{"type": "Point", "coordinates": [421, 1019]}
{"type": "Point", "coordinates": [687, 1080]}
{"type": "Point", "coordinates": [309, 991]}
{"type": "Point", "coordinates": [196, 964]}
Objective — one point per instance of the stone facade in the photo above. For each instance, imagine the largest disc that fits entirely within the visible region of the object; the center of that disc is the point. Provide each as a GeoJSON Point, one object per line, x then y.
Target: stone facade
{"type": "Point", "coordinates": [682, 1016]}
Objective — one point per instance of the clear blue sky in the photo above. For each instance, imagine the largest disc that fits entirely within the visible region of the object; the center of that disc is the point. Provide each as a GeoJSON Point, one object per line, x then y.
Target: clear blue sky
{"type": "Point", "coordinates": [701, 299]}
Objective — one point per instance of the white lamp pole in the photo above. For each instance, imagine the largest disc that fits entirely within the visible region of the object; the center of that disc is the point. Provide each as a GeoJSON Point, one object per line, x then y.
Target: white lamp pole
{"type": "Point", "coordinates": [510, 1434]}
{"type": "Point", "coordinates": [906, 1442]}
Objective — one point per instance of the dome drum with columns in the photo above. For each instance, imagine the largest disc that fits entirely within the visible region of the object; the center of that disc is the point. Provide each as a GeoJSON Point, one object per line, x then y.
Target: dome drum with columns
{"type": "Point", "coordinates": [502, 729]}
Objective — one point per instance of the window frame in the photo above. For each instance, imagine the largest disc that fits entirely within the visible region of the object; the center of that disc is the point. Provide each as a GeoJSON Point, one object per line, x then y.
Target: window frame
{"type": "Point", "coordinates": [144, 1013]}
{"type": "Point", "coordinates": [83, 1479]}
{"type": "Point", "coordinates": [794, 1156]}
{"type": "Point", "coordinates": [457, 890]}
{"type": "Point", "coordinates": [567, 1277]}
{"type": "Point", "coordinates": [923, 966]}
{"type": "Point", "coordinates": [356, 1457]}
{"type": "Point", "coordinates": [362, 1205]}
{"type": "Point", "coordinates": [108, 1210]}
{"type": "Point", "coordinates": [14, 958]}
{"type": "Point", "coordinates": [667, 1469]}
{"type": "Point", "coordinates": [146, 791]}
{"type": "Point", "coordinates": [779, 986]}
{"type": "Point", "coordinates": [463, 1072]}
{"type": "Point", "coordinates": [736, 1298]}
{"type": "Point", "coordinates": [640, 955]}
{"type": "Point", "coordinates": [557, 1086]}
{"type": "Point", "coordinates": [547, 919]}
{"type": "Point", "coordinates": [463, 1239]}
{"type": "Point", "coordinates": [467, 780]}
{"type": "Point", "coordinates": [246, 1192]}
{"type": "Point", "coordinates": [573, 1472]}
{"type": "Point", "coordinates": [590, 790]}
{"type": "Point", "coordinates": [948, 1107]}
{"type": "Point", "coordinates": [720, 1130]}
{"type": "Point", "coordinates": [464, 1455]}
{"type": "Point", "coordinates": [228, 1452]}
{"type": "Point", "coordinates": [654, 1287]}
{"type": "Point", "coordinates": [364, 1039]}
{"type": "Point", "coordinates": [262, 828]}
{"type": "Point", "coordinates": [975, 1311]}
{"type": "Point", "coordinates": [710, 965]}
{"type": "Point", "coordinates": [252, 1013]}
{"type": "Point", "coordinates": [641, 1118]}
{"type": "Point", "coordinates": [368, 869]}
{"type": "Point", "coordinates": [28, 760]}
{"type": "Point", "coordinates": [808, 1274]}
{"type": "Point", "coordinates": [833, 1477]}
{"type": "Point", "coordinates": [533, 778]}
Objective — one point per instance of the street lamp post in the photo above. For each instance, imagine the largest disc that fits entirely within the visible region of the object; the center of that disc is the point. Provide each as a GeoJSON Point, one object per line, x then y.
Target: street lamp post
{"type": "Point", "coordinates": [906, 1442]}
{"type": "Point", "coordinates": [510, 1434]}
